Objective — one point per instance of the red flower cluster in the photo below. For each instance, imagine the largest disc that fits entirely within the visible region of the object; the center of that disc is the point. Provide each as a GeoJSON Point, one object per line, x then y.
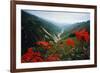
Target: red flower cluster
{"type": "Point", "coordinates": [44, 44]}
{"type": "Point", "coordinates": [53, 57]}
{"type": "Point", "coordinates": [70, 42]}
{"type": "Point", "coordinates": [37, 59]}
{"type": "Point", "coordinates": [31, 56]}
{"type": "Point", "coordinates": [82, 35]}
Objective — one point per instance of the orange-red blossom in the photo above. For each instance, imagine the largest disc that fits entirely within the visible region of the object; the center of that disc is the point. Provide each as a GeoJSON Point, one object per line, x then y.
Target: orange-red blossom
{"type": "Point", "coordinates": [82, 35]}
{"type": "Point", "coordinates": [70, 42]}
{"type": "Point", "coordinates": [44, 44]}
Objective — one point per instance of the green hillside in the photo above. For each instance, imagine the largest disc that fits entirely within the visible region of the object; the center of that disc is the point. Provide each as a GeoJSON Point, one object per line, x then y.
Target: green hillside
{"type": "Point", "coordinates": [57, 41]}
{"type": "Point", "coordinates": [36, 29]}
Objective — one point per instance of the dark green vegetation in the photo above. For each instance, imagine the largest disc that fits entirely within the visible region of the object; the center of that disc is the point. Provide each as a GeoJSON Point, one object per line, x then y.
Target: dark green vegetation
{"type": "Point", "coordinates": [34, 29]}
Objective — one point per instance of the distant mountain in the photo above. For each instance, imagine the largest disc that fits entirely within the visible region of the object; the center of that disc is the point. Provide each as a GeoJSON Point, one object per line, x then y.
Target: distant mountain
{"type": "Point", "coordinates": [81, 25]}
{"type": "Point", "coordinates": [71, 28]}
{"type": "Point", "coordinates": [35, 29]}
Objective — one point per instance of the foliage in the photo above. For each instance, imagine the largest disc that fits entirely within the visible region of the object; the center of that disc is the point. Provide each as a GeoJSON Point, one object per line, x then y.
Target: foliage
{"type": "Point", "coordinates": [41, 43]}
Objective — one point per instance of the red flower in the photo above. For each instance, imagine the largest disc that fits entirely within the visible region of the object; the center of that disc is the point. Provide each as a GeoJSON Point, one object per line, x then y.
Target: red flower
{"type": "Point", "coordinates": [70, 42]}
{"type": "Point", "coordinates": [86, 37]}
{"type": "Point", "coordinates": [37, 59]}
{"type": "Point", "coordinates": [82, 35]}
{"type": "Point", "coordinates": [30, 50]}
{"type": "Point", "coordinates": [53, 57]}
{"type": "Point", "coordinates": [27, 57]}
{"type": "Point", "coordinates": [30, 55]}
{"type": "Point", "coordinates": [78, 35]}
{"type": "Point", "coordinates": [36, 54]}
{"type": "Point", "coordinates": [44, 44]}
{"type": "Point", "coordinates": [83, 30]}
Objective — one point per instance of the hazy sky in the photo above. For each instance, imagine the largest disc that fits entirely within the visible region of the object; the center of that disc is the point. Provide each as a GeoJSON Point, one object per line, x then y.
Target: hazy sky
{"type": "Point", "coordinates": [61, 17]}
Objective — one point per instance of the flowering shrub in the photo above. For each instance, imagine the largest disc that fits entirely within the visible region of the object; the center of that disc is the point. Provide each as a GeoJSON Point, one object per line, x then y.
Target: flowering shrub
{"type": "Point", "coordinates": [37, 59]}
{"type": "Point", "coordinates": [30, 55]}
{"type": "Point", "coordinates": [53, 57]}
{"type": "Point", "coordinates": [44, 44]}
{"type": "Point", "coordinates": [65, 49]}
{"type": "Point", "coordinates": [70, 42]}
{"type": "Point", "coordinates": [82, 35]}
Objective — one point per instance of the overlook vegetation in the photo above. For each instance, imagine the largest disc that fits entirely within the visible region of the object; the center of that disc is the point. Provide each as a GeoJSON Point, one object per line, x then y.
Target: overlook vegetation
{"type": "Point", "coordinates": [42, 40]}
